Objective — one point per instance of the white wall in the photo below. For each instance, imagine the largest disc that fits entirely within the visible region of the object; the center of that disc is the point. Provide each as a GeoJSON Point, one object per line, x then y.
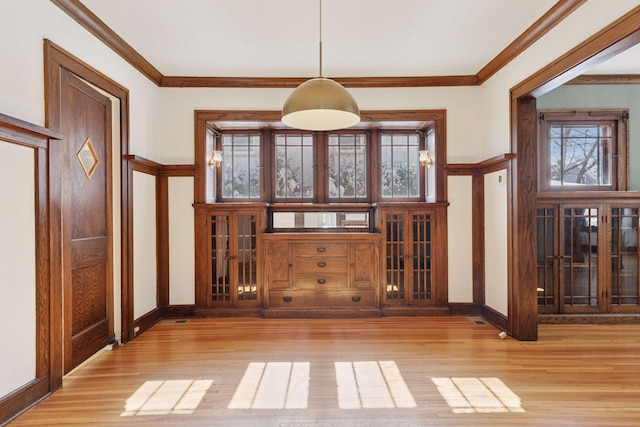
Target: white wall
{"type": "Point", "coordinates": [181, 243]}
{"type": "Point", "coordinates": [145, 275]}
{"type": "Point", "coordinates": [24, 26]}
{"type": "Point", "coordinates": [495, 245]}
{"type": "Point", "coordinates": [460, 230]}
{"type": "Point", "coordinates": [17, 267]}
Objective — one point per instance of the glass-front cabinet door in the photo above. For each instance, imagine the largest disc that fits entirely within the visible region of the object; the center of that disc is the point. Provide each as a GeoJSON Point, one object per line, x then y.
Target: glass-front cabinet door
{"type": "Point", "coordinates": [408, 258]}
{"type": "Point", "coordinates": [570, 264]}
{"type": "Point", "coordinates": [588, 258]}
{"type": "Point", "coordinates": [234, 268]}
{"type": "Point", "coordinates": [625, 259]}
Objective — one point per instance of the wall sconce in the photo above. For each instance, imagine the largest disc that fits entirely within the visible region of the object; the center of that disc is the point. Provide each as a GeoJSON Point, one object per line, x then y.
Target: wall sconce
{"type": "Point", "coordinates": [216, 159]}
{"type": "Point", "coordinates": [425, 160]}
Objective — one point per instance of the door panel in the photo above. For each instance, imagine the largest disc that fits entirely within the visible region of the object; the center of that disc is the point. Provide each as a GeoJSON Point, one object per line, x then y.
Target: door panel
{"type": "Point", "coordinates": [86, 221]}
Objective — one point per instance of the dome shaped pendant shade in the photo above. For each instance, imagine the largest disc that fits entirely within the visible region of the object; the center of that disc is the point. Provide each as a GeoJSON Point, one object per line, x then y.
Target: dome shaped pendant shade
{"type": "Point", "coordinates": [320, 104]}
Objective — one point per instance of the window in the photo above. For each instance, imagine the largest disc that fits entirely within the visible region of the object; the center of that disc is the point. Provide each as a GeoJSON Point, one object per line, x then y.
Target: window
{"type": "Point", "coordinates": [241, 166]}
{"type": "Point", "coordinates": [351, 166]}
{"type": "Point", "coordinates": [400, 169]}
{"type": "Point", "coordinates": [347, 166]}
{"type": "Point", "coordinates": [294, 166]}
{"type": "Point", "coordinates": [583, 151]}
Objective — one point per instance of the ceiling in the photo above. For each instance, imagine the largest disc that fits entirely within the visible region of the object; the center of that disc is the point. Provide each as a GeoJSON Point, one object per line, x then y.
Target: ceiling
{"type": "Point", "coordinates": [280, 38]}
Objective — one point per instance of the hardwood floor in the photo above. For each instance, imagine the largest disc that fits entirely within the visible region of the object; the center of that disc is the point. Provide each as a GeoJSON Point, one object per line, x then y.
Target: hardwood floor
{"type": "Point", "coordinates": [403, 371]}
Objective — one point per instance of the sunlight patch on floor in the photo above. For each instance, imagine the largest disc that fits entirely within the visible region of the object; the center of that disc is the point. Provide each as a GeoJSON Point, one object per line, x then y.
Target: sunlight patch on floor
{"type": "Point", "coordinates": [273, 385]}
{"type": "Point", "coordinates": [372, 385]}
{"type": "Point", "coordinates": [172, 397]}
{"type": "Point", "coordinates": [470, 395]}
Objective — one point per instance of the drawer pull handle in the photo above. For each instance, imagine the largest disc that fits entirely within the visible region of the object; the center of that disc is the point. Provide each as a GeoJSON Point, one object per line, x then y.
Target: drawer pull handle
{"type": "Point", "coordinates": [355, 298]}
{"type": "Point", "coordinates": [322, 264]}
{"type": "Point", "coordinates": [322, 281]}
{"type": "Point", "coordinates": [286, 299]}
{"type": "Point", "coordinates": [321, 249]}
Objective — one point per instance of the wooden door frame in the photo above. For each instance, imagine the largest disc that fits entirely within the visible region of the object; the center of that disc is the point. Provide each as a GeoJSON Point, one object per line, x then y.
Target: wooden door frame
{"type": "Point", "coordinates": [56, 59]}
{"type": "Point", "coordinates": [610, 41]}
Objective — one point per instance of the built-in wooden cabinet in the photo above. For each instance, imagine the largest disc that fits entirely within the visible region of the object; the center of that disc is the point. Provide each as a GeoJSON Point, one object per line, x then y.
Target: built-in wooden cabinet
{"type": "Point", "coordinates": [227, 248]}
{"type": "Point", "coordinates": [396, 263]}
{"type": "Point", "coordinates": [588, 259]}
{"type": "Point", "coordinates": [413, 256]}
{"type": "Point", "coordinates": [306, 273]}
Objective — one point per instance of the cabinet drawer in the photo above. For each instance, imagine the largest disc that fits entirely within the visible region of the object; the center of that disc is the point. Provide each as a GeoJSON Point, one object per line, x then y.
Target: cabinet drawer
{"type": "Point", "coordinates": [321, 281]}
{"type": "Point", "coordinates": [321, 249]}
{"type": "Point", "coordinates": [321, 265]}
{"type": "Point", "coordinates": [322, 299]}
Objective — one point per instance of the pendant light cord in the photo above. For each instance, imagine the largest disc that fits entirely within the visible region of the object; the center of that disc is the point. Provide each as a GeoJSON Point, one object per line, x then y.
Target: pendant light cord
{"type": "Point", "coordinates": [320, 1]}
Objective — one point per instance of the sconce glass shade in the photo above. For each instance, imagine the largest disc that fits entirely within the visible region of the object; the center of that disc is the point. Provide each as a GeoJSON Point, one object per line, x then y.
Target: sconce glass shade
{"type": "Point", "coordinates": [216, 159]}
{"type": "Point", "coordinates": [425, 160]}
{"type": "Point", "coordinates": [320, 104]}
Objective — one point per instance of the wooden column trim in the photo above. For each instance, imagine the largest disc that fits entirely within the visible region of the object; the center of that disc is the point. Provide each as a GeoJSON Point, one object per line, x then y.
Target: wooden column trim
{"type": "Point", "coordinates": [46, 198]}
{"type": "Point", "coordinates": [478, 238]}
{"type": "Point", "coordinates": [523, 304]}
{"type": "Point", "coordinates": [477, 171]}
{"type": "Point", "coordinates": [162, 239]}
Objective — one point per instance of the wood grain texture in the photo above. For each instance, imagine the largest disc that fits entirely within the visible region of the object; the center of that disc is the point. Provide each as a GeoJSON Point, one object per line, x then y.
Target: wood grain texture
{"type": "Point", "coordinates": [605, 79]}
{"type": "Point", "coordinates": [575, 375]}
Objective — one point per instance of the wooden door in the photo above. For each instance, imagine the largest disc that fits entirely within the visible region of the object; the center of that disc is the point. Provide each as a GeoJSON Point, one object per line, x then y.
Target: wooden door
{"type": "Point", "coordinates": [86, 221]}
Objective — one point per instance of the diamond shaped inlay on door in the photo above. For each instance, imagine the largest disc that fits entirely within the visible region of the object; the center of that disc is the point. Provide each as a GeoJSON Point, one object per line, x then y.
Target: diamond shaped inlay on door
{"type": "Point", "coordinates": [88, 158]}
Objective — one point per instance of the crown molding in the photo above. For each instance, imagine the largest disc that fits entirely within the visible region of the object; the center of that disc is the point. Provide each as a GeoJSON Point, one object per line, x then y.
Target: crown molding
{"type": "Point", "coordinates": [82, 15]}
{"type": "Point", "coordinates": [605, 79]}
{"type": "Point", "coordinates": [542, 26]}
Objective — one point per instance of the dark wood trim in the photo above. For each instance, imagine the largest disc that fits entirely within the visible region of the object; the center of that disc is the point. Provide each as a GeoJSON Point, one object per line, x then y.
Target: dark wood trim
{"type": "Point", "coordinates": [126, 208]}
{"type": "Point", "coordinates": [486, 166]}
{"type": "Point", "coordinates": [605, 79]}
{"type": "Point", "coordinates": [464, 309]}
{"type": "Point", "coordinates": [18, 401]}
{"type": "Point", "coordinates": [523, 304]}
{"type": "Point", "coordinates": [478, 238]}
{"type": "Point", "coordinates": [496, 163]}
{"type": "Point", "coordinates": [140, 164]}
{"type": "Point", "coordinates": [462, 169]}
{"type": "Point", "coordinates": [83, 16]}
{"type": "Point", "coordinates": [146, 321]}
{"type": "Point", "coordinates": [591, 319]}
{"type": "Point", "coordinates": [293, 82]}
{"type": "Point", "coordinates": [581, 196]}
{"type": "Point", "coordinates": [25, 129]}
{"type": "Point", "coordinates": [162, 239]}
{"type": "Point", "coordinates": [178, 170]}
{"type": "Point", "coordinates": [46, 199]}
{"type": "Point", "coordinates": [496, 319]}
{"type": "Point", "coordinates": [610, 41]}
{"type": "Point", "coordinates": [178, 311]}
{"type": "Point", "coordinates": [542, 26]}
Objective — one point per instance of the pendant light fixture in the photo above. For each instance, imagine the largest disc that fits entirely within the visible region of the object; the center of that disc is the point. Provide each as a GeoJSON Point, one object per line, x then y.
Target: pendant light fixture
{"type": "Point", "coordinates": [320, 104]}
